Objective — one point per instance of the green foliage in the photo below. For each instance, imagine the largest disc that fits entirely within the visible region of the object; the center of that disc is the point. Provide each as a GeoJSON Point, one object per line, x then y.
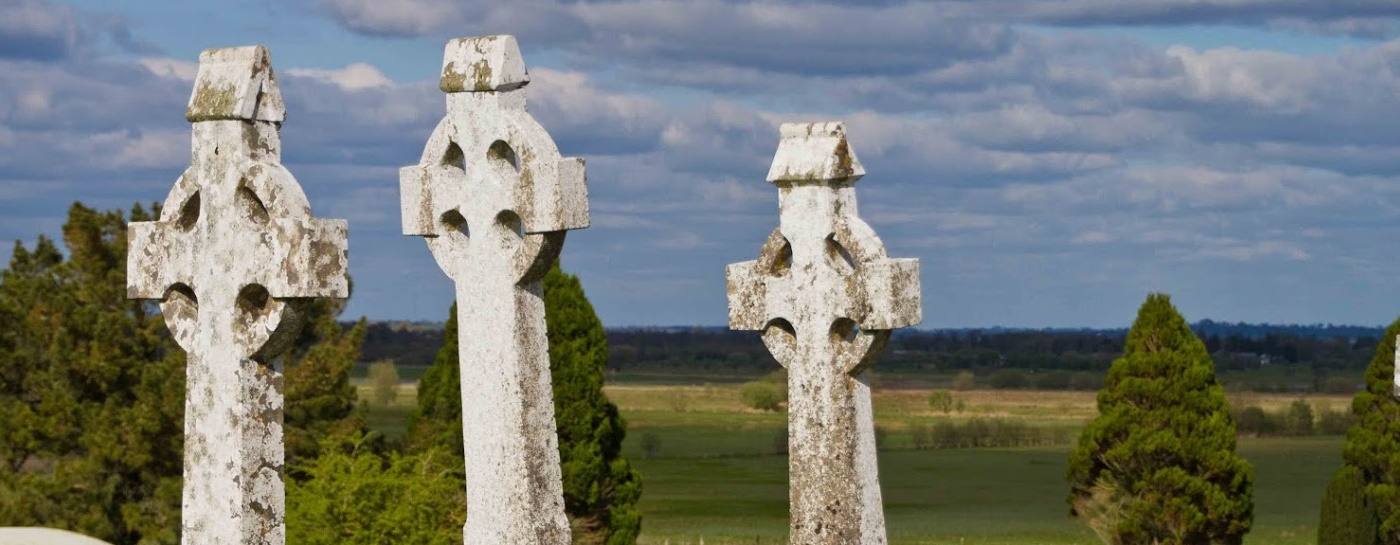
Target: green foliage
{"type": "Point", "coordinates": [1298, 418]}
{"type": "Point", "coordinates": [91, 391]}
{"type": "Point", "coordinates": [352, 496]}
{"type": "Point", "coordinates": [965, 380]}
{"type": "Point", "coordinates": [1053, 380]}
{"type": "Point", "coordinates": [762, 395]}
{"type": "Point", "coordinates": [1163, 444]}
{"type": "Point", "coordinates": [1008, 379]}
{"type": "Point", "coordinates": [1373, 445]}
{"type": "Point", "coordinates": [1254, 421]}
{"type": "Point", "coordinates": [768, 393]}
{"type": "Point", "coordinates": [1347, 517]}
{"type": "Point", "coordinates": [384, 381]}
{"type": "Point", "coordinates": [1331, 422]}
{"type": "Point", "coordinates": [941, 400]}
{"type": "Point", "coordinates": [437, 422]}
{"type": "Point", "coordinates": [320, 400]}
{"type": "Point", "coordinates": [601, 489]}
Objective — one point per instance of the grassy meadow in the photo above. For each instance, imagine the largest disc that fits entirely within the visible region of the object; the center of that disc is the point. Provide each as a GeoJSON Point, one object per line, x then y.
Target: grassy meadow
{"type": "Point", "coordinates": [714, 474]}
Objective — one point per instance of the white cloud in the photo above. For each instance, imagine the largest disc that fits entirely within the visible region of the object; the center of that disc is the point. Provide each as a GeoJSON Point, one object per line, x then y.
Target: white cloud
{"type": "Point", "coordinates": [172, 68]}
{"type": "Point", "coordinates": [354, 77]}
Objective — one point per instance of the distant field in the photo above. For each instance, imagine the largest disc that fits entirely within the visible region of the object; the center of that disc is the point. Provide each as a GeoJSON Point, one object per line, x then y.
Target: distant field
{"type": "Point", "coordinates": [714, 475]}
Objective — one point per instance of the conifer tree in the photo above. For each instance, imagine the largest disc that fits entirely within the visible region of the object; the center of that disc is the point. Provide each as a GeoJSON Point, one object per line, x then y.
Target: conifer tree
{"type": "Point", "coordinates": [437, 422]}
{"type": "Point", "coordinates": [600, 487]}
{"type": "Point", "coordinates": [91, 391]}
{"type": "Point", "coordinates": [1348, 518]}
{"type": "Point", "coordinates": [1158, 464]}
{"type": "Point", "coordinates": [320, 400]}
{"type": "Point", "coordinates": [1372, 444]}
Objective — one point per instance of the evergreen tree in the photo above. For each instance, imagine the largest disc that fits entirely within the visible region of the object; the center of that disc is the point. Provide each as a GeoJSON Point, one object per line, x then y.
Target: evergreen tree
{"type": "Point", "coordinates": [1347, 517]}
{"type": "Point", "coordinates": [1372, 445]}
{"type": "Point", "coordinates": [600, 487]}
{"type": "Point", "coordinates": [1158, 464]}
{"type": "Point", "coordinates": [437, 422]}
{"type": "Point", "coordinates": [320, 400]}
{"type": "Point", "coordinates": [91, 391]}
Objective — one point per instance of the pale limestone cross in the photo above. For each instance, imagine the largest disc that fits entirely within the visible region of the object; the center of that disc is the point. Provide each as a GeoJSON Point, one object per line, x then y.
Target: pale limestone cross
{"type": "Point", "coordinates": [494, 199]}
{"type": "Point", "coordinates": [234, 256]}
{"type": "Point", "coordinates": [826, 297]}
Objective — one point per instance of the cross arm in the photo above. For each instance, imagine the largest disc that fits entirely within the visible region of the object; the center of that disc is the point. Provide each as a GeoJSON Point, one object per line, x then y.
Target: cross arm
{"type": "Point", "coordinates": [156, 259]}
{"type": "Point", "coordinates": [312, 254]}
{"type": "Point", "coordinates": [889, 290]}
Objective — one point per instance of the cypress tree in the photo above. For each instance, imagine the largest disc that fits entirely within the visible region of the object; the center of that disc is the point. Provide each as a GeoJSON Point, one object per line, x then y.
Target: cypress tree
{"type": "Point", "coordinates": [600, 487]}
{"type": "Point", "coordinates": [1372, 444]}
{"type": "Point", "coordinates": [1347, 517]}
{"type": "Point", "coordinates": [1158, 464]}
{"type": "Point", "coordinates": [437, 422]}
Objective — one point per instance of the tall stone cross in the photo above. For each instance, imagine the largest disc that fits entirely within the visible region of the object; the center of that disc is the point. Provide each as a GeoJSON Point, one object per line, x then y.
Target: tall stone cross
{"type": "Point", "coordinates": [826, 297]}
{"type": "Point", "coordinates": [494, 199]}
{"type": "Point", "coordinates": [233, 257]}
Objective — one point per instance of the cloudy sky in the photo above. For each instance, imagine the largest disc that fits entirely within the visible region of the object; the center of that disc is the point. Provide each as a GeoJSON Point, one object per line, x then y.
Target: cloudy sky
{"type": "Point", "coordinates": [1049, 161]}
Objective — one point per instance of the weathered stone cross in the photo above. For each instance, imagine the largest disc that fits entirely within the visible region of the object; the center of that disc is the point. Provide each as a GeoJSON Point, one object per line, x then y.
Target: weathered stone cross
{"type": "Point", "coordinates": [494, 199]}
{"type": "Point", "coordinates": [826, 297]}
{"type": "Point", "coordinates": [234, 255]}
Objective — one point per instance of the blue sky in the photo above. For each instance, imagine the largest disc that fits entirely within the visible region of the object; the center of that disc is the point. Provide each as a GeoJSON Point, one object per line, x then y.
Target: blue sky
{"type": "Point", "coordinates": [1049, 161]}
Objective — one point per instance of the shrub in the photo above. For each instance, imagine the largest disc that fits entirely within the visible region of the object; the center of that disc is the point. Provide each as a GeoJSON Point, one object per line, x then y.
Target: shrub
{"type": "Point", "coordinates": [1007, 379]}
{"type": "Point", "coordinates": [920, 436]}
{"type": "Point", "coordinates": [353, 496]}
{"type": "Point", "coordinates": [1298, 418]}
{"type": "Point", "coordinates": [1086, 381]}
{"type": "Point", "coordinates": [1340, 385]}
{"type": "Point", "coordinates": [965, 380]}
{"type": "Point", "coordinates": [1164, 441]}
{"type": "Point", "coordinates": [941, 400]}
{"type": "Point", "coordinates": [1252, 420]}
{"type": "Point", "coordinates": [1053, 380]}
{"type": "Point", "coordinates": [384, 381]}
{"type": "Point", "coordinates": [1331, 422]}
{"type": "Point", "coordinates": [761, 395]}
{"type": "Point", "coordinates": [1347, 517]}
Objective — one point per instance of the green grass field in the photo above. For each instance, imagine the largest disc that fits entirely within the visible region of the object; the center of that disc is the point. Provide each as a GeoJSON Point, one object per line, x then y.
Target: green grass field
{"type": "Point", "coordinates": [714, 476]}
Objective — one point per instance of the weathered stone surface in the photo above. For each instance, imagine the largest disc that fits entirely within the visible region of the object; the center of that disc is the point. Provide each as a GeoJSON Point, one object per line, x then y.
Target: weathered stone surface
{"type": "Point", "coordinates": [234, 254]}
{"type": "Point", "coordinates": [826, 297]}
{"type": "Point", "coordinates": [495, 199]}
{"type": "Point", "coordinates": [44, 536]}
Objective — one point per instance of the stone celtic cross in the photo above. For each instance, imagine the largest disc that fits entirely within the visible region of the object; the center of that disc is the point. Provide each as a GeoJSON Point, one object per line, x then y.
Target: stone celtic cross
{"type": "Point", "coordinates": [494, 199]}
{"type": "Point", "coordinates": [826, 297]}
{"type": "Point", "coordinates": [233, 257]}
